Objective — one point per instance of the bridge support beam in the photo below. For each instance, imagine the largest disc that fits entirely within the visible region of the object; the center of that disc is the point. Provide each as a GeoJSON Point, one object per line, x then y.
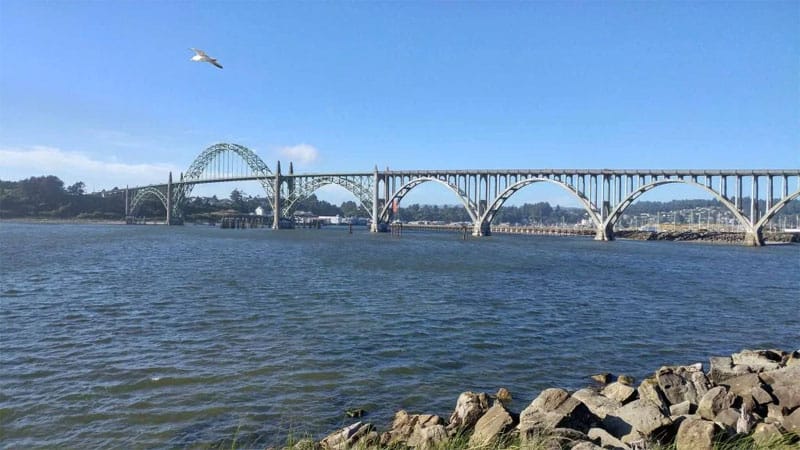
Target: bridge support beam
{"type": "Point", "coordinates": [604, 233]}
{"type": "Point", "coordinates": [481, 229]}
{"type": "Point", "coordinates": [754, 238]}
{"type": "Point", "coordinates": [276, 199]}
{"type": "Point", "coordinates": [169, 200]}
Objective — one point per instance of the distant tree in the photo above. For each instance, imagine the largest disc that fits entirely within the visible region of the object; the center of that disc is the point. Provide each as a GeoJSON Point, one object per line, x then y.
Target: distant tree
{"type": "Point", "coordinates": [78, 188]}
{"type": "Point", "coordinates": [350, 209]}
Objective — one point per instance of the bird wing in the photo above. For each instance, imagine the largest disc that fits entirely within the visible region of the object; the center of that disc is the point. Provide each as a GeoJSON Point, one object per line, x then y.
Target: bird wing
{"type": "Point", "coordinates": [214, 62]}
{"type": "Point", "coordinates": [198, 51]}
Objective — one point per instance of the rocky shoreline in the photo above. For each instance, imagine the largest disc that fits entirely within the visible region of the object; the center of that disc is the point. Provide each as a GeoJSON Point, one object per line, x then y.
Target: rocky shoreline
{"type": "Point", "coordinates": [705, 236]}
{"type": "Point", "coordinates": [752, 395]}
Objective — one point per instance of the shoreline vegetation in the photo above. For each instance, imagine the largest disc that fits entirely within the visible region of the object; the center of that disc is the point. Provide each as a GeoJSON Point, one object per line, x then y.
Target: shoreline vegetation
{"type": "Point", "coordinates": [748, 400]}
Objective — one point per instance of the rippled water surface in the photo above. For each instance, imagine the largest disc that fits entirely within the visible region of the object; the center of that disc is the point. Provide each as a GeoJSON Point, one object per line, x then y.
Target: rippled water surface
{"type": "Point", "coordinates": [151, 336]}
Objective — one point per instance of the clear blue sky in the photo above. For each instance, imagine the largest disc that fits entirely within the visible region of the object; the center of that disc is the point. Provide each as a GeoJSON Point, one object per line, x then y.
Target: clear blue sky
{"type": "Point", "coordinates": [104, 92]}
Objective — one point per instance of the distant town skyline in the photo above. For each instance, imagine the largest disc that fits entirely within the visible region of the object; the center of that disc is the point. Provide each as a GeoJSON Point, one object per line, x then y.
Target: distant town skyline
{"type": "Point", "coordinates": [106, 93]}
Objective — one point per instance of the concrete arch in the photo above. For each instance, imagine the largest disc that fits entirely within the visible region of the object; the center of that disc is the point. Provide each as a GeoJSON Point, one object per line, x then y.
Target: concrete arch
{"type": "Point", "coordinates": [498, 202]}
{"type": "Point", "coordinates": [616, 213]}
{"type": "Point", "coordinates": [470, 206]}
{"type": "Point", "coordinates": [774, 211]}
{"type": "Point", "coordinates": [143, 193]}
{"type": "Point", "coordinates": [362, 193]}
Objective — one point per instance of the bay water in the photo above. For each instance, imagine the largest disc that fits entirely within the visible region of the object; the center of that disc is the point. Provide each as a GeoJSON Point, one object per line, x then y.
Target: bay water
{"type": "Point", "coordinates": [175, 337]}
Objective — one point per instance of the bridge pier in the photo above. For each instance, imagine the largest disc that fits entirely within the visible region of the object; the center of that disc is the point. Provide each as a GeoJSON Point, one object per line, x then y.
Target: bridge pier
{"type": "Point", "coordinates": [481, 229]}
{"type": "Point", "coordinates": [754, 238]}
{"type": "Point", "coordinates": [604, 233]}
{"type": "Point", "coordinates": [276, 199]}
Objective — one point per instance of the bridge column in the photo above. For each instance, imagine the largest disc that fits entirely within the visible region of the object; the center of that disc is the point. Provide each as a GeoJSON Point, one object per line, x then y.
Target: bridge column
{"type": "Point", "coordinates": [127, 204]}
{"type": "Point", "coordinates": [276, 199]}
{"type": "Point", "coordinates": [605, 232]}
{"type": "Point", "coordinates": [169, 200]}
{"type": "Point", "coordinates": [375, 227]}
{"type": "Point", "coordinates": [481, 229]}
{"type": "Point", "coordinates": [754, 238]}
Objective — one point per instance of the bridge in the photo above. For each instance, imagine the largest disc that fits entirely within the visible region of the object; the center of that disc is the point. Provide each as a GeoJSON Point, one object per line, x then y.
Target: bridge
{"type": "Point", "coordinates": [604, 193]}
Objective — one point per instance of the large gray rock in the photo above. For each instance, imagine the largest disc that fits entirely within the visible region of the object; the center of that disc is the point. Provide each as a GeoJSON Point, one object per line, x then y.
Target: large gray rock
{"type": "Point", "coordinates": [760, 396]}
{"type": "Point", "coordinates": [427, 437]}
{"type": "Point", "coordinates": [787, 395]}
{"type": "Point", "coordinates": [548, 400]}
{"type": "Point", "coordinates": [791, 423]}
{"type": "Point", "coordinates": [681, 409]}
{"type": "Point", "coordinates": [722, 368]}
{"type": "Point", "coordinates": [648, 390]}
{"type": "Point", "coordinates": [682, 383]}
{"type": "Point", "coordinates": [758, 360]}
{"type": "Point", "coordinates": [606, 439]}
{"type": "Point", "coordinates": [555, 408]}
{"type": "Point", "coordinates": [599, 405]}
{"type": "Point", "coordinates": [405, 424]}
{"type": "Point", "coordinates": [346, 437]}
{"type": "Point", "coordinates": [741, 385]}
{"type": "Point", "coordinates": [470, 406]}
{"type": "Point", "coordinates": [766, 433]}
{"type": "Point", "coordinates": [727, 419]}
{"type": "Point", "coordinates": [492, 426]}
{"type": "Point", "coordinates": [714, 401]}
{"type": "Point", "coordinates": [786, 375]}
{"type": "Point", "coordinates": [619, 392]}
{"type": "Point", "coordinates": [695, 434]}
{"type": "Point", "coordinates": [638, 415]}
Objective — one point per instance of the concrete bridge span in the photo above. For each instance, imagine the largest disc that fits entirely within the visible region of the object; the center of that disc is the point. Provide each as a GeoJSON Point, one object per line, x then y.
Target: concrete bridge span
{"type": "Point", "coordinates": [605, 194]}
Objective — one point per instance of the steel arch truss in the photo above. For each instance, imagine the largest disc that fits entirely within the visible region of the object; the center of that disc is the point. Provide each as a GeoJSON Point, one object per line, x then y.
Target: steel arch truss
{"type": "Point", "coordinates": [198, 171]}
{"type": "Point", "coordinates": [300, 187]}
{"type": "Point", "coordinates": [143, 193]}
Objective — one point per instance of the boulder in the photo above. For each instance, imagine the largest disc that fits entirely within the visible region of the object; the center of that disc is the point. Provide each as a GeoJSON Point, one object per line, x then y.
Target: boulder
{"type": "Point", "coordinates": [554, 408]}
{"type": "Point", "coordinates": [602, 378]}
{"type": "Point", "coordinates": [682, 383]}
{"type": "Point", "coordinates": [727, 419]}
{"type": "Point", "coordinates": [695, 434]}
{"type": "Point", "coordinates": [722, 368]}
{"type": "Point", "coordinates": [404, 425]}
{"type": "Point", "coordinates": [681, 409]}
{"type": "Point", "coordinates": [786, 375]}
{"type": "Point", "coordinates": [776, 411]}
{"type": "Point", "coordinates": [638, 415]}
{"type": "Point", "coordinates": [492, 426]}
{"type": "Point", "coordinates": [765, 432]}
{"type": "Point", "coordinates": [619, 392]}
{"type": "Point", "coordinates": [793, 359]}
{"type": "Point", "coordinates": [626, 379]}
{"type": "Point", "coordinates": [741, 385]}
{"type": "Point", "coordinates": [470, 406]}
{"type": "Point", "coordinates": [427, 437]}
{"type": "Point", "coordinates": [548, 400]}
{"type": "Point", "coordinates": [760, 396]}
{"type": "Point", "coordinates": [758, 360]}
{"type": "Point", "coordinates": [714, 401]}
{"type": "Point", "coordinates": [787, 395]}
{"type": "Point", "coordinates": [606, 439]}
{"type": "Point", "coordinates": [597, 404]}
{"type": "Point", "coordinates": [585, 445]}
{"type": "Point", "coordinates": [791, 423]}
{"type": "Point", "coordinates": [649, 391]}
{"type": "Point", "coordinates": [346, 437]}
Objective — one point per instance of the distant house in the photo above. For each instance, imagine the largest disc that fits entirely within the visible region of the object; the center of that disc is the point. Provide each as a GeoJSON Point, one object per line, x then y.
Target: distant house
{"type": "Point", "coordinates": [260, 211]}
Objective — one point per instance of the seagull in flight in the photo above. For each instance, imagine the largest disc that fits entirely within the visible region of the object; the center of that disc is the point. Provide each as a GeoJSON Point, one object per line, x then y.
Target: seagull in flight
{"type": "Point", "coordinates": [200, 56]}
